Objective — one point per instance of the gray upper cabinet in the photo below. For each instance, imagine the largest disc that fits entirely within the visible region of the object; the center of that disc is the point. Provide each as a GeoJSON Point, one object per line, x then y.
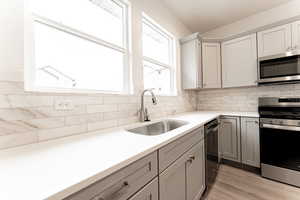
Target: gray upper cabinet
{"type": "Point", "coordinates": [230, 138]}
{"type": "Point", "coordinates": [296, 35]}
{"type": "Point", "coordinates": [195, 172]}
{"type": "Point", "coordinates": [239, 62]}
{"type": "Point", "coordinates": [274, 41]}
{"type": "Point", "coordinates": [250, 141]}
{"type": "Point", "coordinates": [191, 70]}
{"type": "Point", "coordinates": [149, 192]}
{"type": "Point", "coordinates": [211, 61]}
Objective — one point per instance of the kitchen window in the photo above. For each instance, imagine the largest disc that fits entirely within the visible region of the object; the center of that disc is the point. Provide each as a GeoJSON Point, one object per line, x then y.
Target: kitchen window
{"type": "Point", "coordinates": [158, 58]}
{"type": "Point", "coordinates": [80, 45]}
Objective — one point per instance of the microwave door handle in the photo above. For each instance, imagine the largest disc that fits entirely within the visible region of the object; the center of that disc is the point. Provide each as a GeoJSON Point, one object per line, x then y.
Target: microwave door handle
{"type": "Point", "coordinates": [288, 128]}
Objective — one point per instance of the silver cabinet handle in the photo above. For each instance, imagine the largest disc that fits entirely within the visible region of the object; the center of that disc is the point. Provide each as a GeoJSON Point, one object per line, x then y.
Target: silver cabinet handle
{"type": "Point", "coordinates": [191, 159]}
{"type": "Point", "coordinates": [111, 195]}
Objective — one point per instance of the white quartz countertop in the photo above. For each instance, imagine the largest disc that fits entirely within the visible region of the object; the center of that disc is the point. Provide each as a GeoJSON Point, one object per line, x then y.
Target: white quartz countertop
{"type": "Point", "coordinates": [55, 169]}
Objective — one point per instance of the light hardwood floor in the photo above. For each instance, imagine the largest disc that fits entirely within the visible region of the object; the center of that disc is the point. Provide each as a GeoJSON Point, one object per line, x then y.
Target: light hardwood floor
{"type": "Point", "coordinates": [237, 184]}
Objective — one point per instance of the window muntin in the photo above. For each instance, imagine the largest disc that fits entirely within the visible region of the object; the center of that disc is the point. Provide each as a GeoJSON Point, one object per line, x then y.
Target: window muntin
{"type": "Point", "coordinates": [72, 54]}
{"type": "Point", "coordinates": [158, 58]}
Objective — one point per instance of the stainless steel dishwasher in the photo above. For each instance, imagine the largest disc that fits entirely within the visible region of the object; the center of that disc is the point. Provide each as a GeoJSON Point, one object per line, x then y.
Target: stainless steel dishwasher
{"type": "Point", "coordinates": [212, 151]}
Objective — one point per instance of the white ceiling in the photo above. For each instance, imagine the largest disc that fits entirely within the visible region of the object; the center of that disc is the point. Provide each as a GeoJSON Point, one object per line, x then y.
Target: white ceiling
{"type": "Point", "coordinates": [204, 15]}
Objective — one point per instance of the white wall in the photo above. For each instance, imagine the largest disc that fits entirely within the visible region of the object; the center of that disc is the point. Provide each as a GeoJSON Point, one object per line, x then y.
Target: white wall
{"type": "Point", "coordinates": [282, 12]}
{"type": "Point", "coordinates": [11, 40]}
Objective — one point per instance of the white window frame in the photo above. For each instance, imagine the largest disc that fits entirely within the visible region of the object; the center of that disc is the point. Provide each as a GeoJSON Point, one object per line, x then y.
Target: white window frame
{"type": "Point", "coordinates": [172, 52]}
{"type": "Point", "coordinates": [29, 54]}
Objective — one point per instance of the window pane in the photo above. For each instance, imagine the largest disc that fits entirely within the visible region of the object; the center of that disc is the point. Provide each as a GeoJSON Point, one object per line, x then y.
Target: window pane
{"type": "Point", "coordinates": [68, 61]}
{"type": "Point", "coordinates": [157, 77]}
{"type": "Point", "coordinates": [88, 16]}
{"type": "Point", "coordinates": [156, 45]}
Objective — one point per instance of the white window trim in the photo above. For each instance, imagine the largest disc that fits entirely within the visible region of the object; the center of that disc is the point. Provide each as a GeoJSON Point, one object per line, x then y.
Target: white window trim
{"type": "Point", "coordinates": [172, 63]}
{"type": "Point", "coordinates": [30, 71]}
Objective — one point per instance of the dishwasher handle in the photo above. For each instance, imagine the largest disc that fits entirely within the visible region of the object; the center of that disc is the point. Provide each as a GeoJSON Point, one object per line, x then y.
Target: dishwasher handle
{"type": "Point", "coordinates": [213, 128]}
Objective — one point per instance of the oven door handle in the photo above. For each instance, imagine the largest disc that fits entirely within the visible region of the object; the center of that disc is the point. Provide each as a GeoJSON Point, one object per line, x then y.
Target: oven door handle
{"type": "Point", "coordinates": [288, 128]}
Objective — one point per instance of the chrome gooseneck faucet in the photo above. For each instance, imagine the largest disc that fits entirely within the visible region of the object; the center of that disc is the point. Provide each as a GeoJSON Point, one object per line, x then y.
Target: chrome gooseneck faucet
{"type": "Point", "coordinates": [144, 115]}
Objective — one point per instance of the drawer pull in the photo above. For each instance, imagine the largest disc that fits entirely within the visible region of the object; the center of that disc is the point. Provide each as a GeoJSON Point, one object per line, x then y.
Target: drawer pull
{"type": "Point", "coordinates": [113, 194]}
{"type": "Point", "coordinates": [191, 159]}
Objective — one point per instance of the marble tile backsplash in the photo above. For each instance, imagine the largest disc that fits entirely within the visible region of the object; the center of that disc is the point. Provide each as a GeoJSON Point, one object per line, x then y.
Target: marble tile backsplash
{"type": "Point", "coordinates": [242, 99]}
{"type": "Point", "coordinates": [31, 117]}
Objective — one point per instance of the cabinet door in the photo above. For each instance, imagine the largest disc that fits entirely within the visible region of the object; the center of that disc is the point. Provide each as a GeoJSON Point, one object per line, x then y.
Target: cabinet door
{"type": "Point", "coordinates": [149, 192]}
{"type": "Point", "coordinates": [296, 35]}
{"type": "Point", "coordinates": [230, 138]}
{"type": "Point", "coordinates": [190, 64]}
{"type": "Point", "coordinates": [195, 172]}
{"type": "Point", "coordinates": [172, 182]}
{"type": "Point", "coordinates": [211, 60]}
{"type": "Point", "coordinates": [250, 141]}
{"type": "Point", "coordinates": [239, 61]}
{"type": "Point", "coordinates": [274, 41]}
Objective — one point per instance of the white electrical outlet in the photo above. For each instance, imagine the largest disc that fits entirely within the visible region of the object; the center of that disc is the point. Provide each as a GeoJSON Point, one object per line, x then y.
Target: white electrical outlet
{"type": "Point", "coordinates": [64, 105]}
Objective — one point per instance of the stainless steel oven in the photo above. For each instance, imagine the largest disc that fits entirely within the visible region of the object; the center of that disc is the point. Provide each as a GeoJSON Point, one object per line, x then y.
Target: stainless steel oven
{"type": "Point", "coordinates": [283, 68]}
{"type": "Point", "coordinates": [280, 139]}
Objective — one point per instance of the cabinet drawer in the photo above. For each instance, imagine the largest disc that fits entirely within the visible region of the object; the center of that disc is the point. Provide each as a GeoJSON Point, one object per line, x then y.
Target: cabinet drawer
{"type": "Point", "coordinates": [122, 184]}
{"type": "Point", "coordinates": [149, 192]}
{"type": "Point", "coordinates": [171, 152]}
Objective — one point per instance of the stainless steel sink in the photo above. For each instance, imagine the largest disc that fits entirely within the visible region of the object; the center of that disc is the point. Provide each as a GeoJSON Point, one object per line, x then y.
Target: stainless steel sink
{"type": "Point", "coordinates": [158, 128]}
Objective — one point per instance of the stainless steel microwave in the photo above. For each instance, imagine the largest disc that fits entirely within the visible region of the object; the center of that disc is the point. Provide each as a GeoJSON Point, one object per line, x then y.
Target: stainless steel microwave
{"type": "Point", "coordinates": [283, 68]}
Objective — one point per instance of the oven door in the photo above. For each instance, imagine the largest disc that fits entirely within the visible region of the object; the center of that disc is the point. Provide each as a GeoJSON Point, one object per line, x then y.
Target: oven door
{"type": "Point", "coordinates": [279, 69]}
{"type": "Point", "coordinates": [280, 146]}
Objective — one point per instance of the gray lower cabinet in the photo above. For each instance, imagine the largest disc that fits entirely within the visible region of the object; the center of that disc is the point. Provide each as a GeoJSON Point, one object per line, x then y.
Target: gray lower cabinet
{"type": "Point", "coordinates": [185, 178]}
{"type": "Point", "coordinates": [178, 174]}
{"type": "Point", "coordinates": [172, 183]}
{"type": "Point", "coordinates": [230, 138]}
{"type": "Point", "coordinates": [250, 141]}
{"type": "Point", "coordinates": [239, 138]}
{"type": "Point", "coordinates": [171, 152]}
{"type": "Point", "coordinates": [149, 192]}
{"type": "Point", "coordinates": [195, 172]}
{"type": "Point", "coordinates": [122, 184]}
